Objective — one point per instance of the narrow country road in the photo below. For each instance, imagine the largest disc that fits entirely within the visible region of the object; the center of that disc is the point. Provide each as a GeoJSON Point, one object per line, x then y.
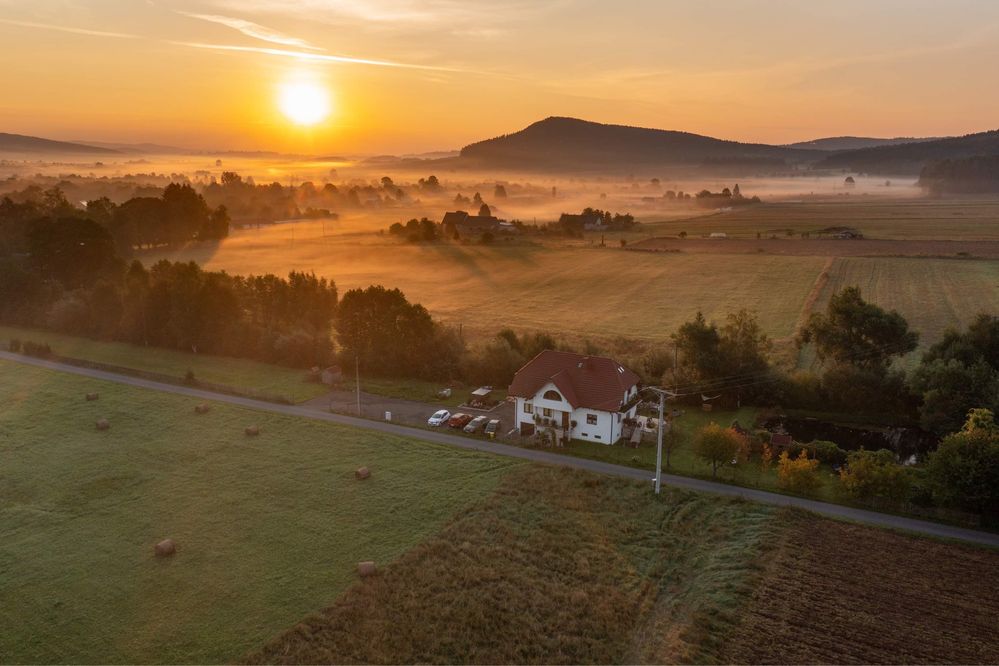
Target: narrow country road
{"type": "Point", "coordinates": [822, 508]}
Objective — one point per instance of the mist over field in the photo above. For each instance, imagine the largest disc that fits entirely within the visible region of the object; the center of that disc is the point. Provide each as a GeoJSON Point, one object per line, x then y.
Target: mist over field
{"type": "Point", "coordinates": [548, 332]}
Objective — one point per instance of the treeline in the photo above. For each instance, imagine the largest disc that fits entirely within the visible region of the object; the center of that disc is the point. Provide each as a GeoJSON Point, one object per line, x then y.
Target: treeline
{"type": "Point", "coordinates": [62, 268]}
{"type": "Point", "coordinates": [180, 306]}
{"type": "Point", "coordinates": [723, 199]}
{"type": "Point", "coordinates": [38, 221]}
{"type": "Point", "coordinates": [971, 175]}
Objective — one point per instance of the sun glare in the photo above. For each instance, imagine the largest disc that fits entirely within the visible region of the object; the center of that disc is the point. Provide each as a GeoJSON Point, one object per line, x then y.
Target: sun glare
{"type": "Point", "coordinates": [304, 103]}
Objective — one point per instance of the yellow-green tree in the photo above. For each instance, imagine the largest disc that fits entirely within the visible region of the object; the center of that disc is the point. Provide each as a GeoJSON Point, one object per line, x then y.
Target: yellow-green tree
{"type": "Point", "coordinates": [717, 446]}
{"type": "Point", "coordinates": [799, 475]}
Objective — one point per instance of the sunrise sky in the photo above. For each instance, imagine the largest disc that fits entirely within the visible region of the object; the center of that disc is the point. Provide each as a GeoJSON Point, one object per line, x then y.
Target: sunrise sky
{"type": "Point", "coordinates": [416, 75]}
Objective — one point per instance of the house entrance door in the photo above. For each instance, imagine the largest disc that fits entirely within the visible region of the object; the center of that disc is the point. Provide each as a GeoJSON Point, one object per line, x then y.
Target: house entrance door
{"type": "Point", "coordinates": [565, 420]}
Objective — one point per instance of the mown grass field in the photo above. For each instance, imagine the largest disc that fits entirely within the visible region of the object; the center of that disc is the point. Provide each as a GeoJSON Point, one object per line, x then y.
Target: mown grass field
{"type": "Point", "coordinates": [595, 293]}
{"type": "Point", "coordinates": [932, 294]}
{"type": "Point", "coordinates": [238, 373]}
{"type": "Point", "coordinates": [269, 529]}
{"type": "Point", "coordinates": [565, 567]}
{"type": "Point", "coordinates": [581, 291]}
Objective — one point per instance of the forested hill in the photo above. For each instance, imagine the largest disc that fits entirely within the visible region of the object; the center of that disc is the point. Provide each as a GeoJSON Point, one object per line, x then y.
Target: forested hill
{"type": "Point", "coordinates": [577, 145]}
{"type": "Point", "coordinates": [912, 157]}
{"type": "Point", "coordinates": [19, 143]}
{"type": "Point", "coordinates": [971, 175]}
{"type": "Point", "coordinates": [836, 143]}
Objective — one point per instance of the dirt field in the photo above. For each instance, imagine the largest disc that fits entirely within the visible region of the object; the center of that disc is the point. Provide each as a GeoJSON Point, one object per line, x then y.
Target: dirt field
{"type": "Point", "coordinates": [838, 593]}
{"type": "Point", "coordinates": [825, 247]}
{"type": "Point", "coordinates": [964, 218]}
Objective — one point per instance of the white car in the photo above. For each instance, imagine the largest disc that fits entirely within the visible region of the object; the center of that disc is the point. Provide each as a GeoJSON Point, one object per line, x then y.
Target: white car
{"type": "Point", "coordinates": [439, 418]}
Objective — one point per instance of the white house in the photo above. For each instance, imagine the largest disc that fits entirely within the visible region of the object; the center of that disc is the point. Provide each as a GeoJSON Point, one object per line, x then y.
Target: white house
{"type": "Point", "coordinates": [588, 397]}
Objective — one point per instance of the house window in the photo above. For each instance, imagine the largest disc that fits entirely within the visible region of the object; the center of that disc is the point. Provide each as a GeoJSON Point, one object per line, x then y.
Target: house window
{"type": "Point", "coordinates": [528, 408]}
{"type": "Point", "coordinates": [591, 419]}
{"type": "Point", "coordinates": [546, 412]}
{"type": "Point", "coordinates": [552, 395]}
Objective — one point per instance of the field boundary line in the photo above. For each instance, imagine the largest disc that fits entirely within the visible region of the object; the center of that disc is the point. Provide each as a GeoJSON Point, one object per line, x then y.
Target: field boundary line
{"type": "Point", "coordinates": [835, 511]}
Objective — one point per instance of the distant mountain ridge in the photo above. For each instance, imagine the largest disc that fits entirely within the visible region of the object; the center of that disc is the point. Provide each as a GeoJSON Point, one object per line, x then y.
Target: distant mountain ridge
{"type": "Point", "coordinates": [837, 143]}
{"type": "Point", "coordinates": [20, 143]}
{"type": "Point", "coordinates": [912, 157]}
{"type": "Point", "coordinates": [573, 145]}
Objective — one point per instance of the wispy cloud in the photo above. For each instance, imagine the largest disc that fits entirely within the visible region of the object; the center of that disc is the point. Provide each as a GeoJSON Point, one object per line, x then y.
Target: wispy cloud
{"type": "Point", "coordinates": [69, 29]}
{"type": "Point", "coordinates": [308, 55]}
{"type": "Point", "coordinates": [255, 30]}
{"type": "Point", "coordinates": [401, 15]}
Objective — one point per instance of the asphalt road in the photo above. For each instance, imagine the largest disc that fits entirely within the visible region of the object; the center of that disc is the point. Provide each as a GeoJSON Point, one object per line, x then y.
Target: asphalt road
{"type": "Point", "coordinates": [534, 455]}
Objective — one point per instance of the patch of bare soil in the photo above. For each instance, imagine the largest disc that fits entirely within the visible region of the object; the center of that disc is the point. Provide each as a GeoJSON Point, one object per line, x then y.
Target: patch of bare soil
{"type": "Point", "coordinates": [840, 593]}
{"type": "Point", "coordinates": [824, 247]}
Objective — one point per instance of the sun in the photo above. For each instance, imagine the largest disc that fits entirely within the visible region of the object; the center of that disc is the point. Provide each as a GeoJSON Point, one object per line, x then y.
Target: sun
{"type": "Point", "coordinates": [304, 103]}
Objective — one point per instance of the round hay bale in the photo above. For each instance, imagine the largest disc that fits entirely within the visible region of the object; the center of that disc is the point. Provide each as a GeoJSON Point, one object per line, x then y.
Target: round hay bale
{"type": "Point", "coordinates": [365, 569]}
{"type": "Point", "coordinates": [202, 408]}
{"type": "Point", "coordinates": [103, 424]}
{"type": "Point", "coordinates": [92, 396]}
{"type": "Point", "coordinates": [165, 548]}
{"type": "Point", "coordinates": [362, 473]}
{"type": "Point", "coordinates": [252, 431]}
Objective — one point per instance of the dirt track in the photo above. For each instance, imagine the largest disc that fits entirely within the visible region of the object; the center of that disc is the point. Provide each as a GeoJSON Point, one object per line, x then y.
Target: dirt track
{"type": "Point", "coordinates": [823, 247]}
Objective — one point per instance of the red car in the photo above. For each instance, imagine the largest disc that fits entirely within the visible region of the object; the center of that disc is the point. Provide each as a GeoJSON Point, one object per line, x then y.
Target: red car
{"type": "Point", "coordinates": [459, 420]}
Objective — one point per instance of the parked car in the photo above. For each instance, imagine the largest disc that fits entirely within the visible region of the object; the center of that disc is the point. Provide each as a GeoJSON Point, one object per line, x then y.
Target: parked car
{"type": "Point", "coordinates": [492, 428]}
{"type": "Point", "coordinates": [476, 424]}
{"type": "Point", "coordinates": [459, 420]}
{"type": "Point", "coordinates": [439, 418]}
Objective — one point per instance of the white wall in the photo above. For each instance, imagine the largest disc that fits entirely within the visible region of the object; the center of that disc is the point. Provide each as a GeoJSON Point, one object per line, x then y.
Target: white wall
{"type": "Point", "coordinates": [607, 429]}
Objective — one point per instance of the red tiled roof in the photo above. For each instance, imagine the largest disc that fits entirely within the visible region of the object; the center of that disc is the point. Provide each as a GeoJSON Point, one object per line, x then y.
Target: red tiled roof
{"type": "Point", "coordinates": [593, 382]}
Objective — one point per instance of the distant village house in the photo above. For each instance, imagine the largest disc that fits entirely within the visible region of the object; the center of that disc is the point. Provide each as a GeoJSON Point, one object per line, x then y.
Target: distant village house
{"type": "Point", "coordinates": [469, 226]}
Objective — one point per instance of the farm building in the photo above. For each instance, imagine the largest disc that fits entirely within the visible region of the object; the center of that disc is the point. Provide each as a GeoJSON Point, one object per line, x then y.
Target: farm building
{"type": "Point", "coordinates": [583, 397]}
{"type": "Point", "coordinates": [466, 225]}
{"type": "Point", "coordinates": [587, 221]}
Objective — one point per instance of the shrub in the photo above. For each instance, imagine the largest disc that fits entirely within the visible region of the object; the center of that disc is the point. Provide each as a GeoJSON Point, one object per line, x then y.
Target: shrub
{"type": "Point", "coordinates": [874, 474]}
{"type": "Point", "coordinates": [718, 446]}
{"type": "Point", "coordinates": [827, 452]}
{"type": "Point", "coordinates": [798, 475]}
{"type": "Point", "coordinates": [14, 345]}
{"type": "Point", "coordinates": [189, 378]}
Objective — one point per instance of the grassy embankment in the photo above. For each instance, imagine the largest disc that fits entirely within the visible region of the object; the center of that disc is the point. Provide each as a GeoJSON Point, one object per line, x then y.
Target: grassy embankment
{"type": "Point", "coordinates": [239, 373]}
{"type": "Point", "coordinates": [269, 528]}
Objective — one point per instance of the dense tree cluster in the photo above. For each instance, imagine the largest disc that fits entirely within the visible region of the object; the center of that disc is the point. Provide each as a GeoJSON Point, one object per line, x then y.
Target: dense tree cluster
{"type": "Point", "coordinates": [959, 373]}
{"type": "Point", "coordinates": [733, 359]}
{"type": "Point", "coordinates": [416, 231]}
{"type": "Point", "coordinates": [971, 175]}
{"type": "Point", "coordinates": [858, 342]}
{"type": "Point", "coordinates": [723, 199]}
{"type": "Point", "coordinates": [387, 335]}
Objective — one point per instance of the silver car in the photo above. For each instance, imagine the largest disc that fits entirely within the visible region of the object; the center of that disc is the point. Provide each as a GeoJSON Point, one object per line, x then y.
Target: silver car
{"type": "Point", "coordinates": [476, 424]}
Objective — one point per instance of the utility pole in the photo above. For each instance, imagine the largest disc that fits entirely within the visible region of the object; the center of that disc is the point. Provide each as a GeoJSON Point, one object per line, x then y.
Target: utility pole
{"type": "Point", "coordinates": [659, 445]}
{"type": "Point", "coordinates": [663, 394]}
